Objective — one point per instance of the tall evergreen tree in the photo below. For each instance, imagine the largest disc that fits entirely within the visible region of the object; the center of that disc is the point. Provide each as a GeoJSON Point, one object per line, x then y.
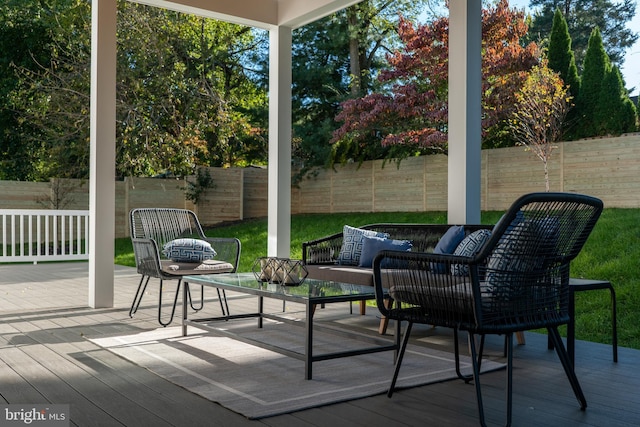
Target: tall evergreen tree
{"type": "Point", "coordinates": [596, 66]}
{"type": "Point", "coordinates": [611, 17]}
{"type": "Point", "coordinates": [320, 81]}
{"type": "Point", "coordinates": [631, 115]}
{"type": "Point", "coordinates": [609, 108]}
{"type": "Point", "coordinates": [616, 110]}
{"type": "Point", "coordinates": [562, 60]}
{"type": "Point", "coordinates": [560, 56]}
{"type": "Point", "coordinates": [603, 105]}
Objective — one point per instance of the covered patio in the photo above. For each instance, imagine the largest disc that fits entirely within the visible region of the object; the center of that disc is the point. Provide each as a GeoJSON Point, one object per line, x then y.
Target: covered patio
{"type": "Point", "coordinates": [46, 325]}
{"type": "Point", "coordinates": [47, 357]}
{"type": "Point", "coordinates": [279, 18]}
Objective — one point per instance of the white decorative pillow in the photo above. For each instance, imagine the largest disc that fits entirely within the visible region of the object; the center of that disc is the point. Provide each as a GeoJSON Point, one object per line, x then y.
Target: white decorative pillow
{"type": "Point", "coordinates": [188, 250]}
{"type": "Point", "coordinates": [351, 249]}
{"type": "Point", "coordinates": [469, 246]}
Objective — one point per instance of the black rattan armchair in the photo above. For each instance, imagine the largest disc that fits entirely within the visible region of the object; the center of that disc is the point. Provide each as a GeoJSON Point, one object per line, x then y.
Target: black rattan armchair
{"type": "Point", "coordinates": [517, 280]}
{"type": "Point", "coordinates": [151, 229]}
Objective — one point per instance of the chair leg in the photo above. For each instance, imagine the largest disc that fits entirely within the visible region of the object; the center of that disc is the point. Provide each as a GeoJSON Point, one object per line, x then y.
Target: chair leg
{"type": "Point", "coordinates": [194, 308]}
{"type": "Point", "coordinates": [403, 347]}
{"type": "Point", "coordinates": [456, 351]}
{"type": "Point", "coordinates": [614, 324]}
{"type": "Point", "coordinates": [222, 298]}
{"type": "Point", "coordinates": [567, 365]}
{"type": "Point", "coordinates": [224, 305]}
{"type": "Point", "coordinates": [175, 302]}
{"type": "Point", "coordinates": [475, 359]}
{"type": "Point", "coordinates": [139, 293]}
{"type": "Point", "coordinates": [384, 320]}
{"type": "Point", "coordinates": [363, 307]}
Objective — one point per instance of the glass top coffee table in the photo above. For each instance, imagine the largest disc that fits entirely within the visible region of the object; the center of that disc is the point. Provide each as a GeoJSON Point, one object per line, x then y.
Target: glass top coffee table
{"type": "Point", "coordinates": [311, 293]}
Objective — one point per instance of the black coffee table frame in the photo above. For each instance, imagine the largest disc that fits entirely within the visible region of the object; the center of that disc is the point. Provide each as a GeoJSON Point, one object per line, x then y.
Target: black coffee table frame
{"type": "Point", "coordinates": [311, 293]}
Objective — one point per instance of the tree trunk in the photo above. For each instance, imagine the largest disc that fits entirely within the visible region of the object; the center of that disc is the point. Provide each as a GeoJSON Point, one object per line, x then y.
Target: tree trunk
{"type": "Point", "coordinates": [354, 52]}
{"type": "Point", "coordinates": [546, 175]}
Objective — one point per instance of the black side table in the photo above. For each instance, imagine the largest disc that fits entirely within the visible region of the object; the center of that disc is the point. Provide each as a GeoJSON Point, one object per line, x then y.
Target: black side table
{"type": "Point", "coordinates": [579, 285]}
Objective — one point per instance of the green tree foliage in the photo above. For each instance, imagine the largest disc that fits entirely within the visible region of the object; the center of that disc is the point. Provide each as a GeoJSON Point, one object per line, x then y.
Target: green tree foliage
{"type": "Point", "coordinates": [561, 59]}
{"type": "Point", "coordinates": [410, 117]}
{"type": "Point", "coordinates": [602, 106]}
{"type": "Point", "coordinates": [584, 15]}
{"type": "Point", "coordinates": [335, 58]}
{"type": "Point", "coordinates": [372, 27]}
{"type": "Point", "coordinates": [615, 112]}
{"type": "Point", "coordinates": [596, 66]}
{"type": "Point", "coordinates": [184, 96]}
{"type": "Point", "coordinates": [320, 80]}
{"type": "Point", "coordinates": [560, 55]}
{"type": "Point", "coordinates": [26, 41]}
{"type": "Point", "coordinates": [193, 101]}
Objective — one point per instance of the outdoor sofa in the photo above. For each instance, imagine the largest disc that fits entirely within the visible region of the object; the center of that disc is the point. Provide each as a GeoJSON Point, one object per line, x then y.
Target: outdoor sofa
{"type": "Point", "coordinates": [332, 257]}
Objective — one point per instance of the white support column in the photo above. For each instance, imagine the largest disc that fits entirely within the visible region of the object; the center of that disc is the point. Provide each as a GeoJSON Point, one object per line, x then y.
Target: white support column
{"type": "Point", "coordinates": [465, 123]}
{"type": "Point", "coordinates": [103, 149]}
{"type": "Point", "coordinates": [279, 205]}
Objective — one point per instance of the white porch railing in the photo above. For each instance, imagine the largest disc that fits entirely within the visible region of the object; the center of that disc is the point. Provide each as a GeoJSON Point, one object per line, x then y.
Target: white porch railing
{"type": "Point", "coordinates": [32, 235]}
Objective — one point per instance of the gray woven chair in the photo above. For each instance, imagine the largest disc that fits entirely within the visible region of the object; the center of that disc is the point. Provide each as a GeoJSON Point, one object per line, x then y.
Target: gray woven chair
{"type": "Point", "coordinates": [151, 230]}
{"type": "Point", "coordinates": [516, 280]}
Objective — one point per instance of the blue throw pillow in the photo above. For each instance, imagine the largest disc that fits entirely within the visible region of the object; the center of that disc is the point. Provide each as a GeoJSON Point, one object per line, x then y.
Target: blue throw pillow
{"type": "Point", "coordinates": [352, 244]}
{"type": "Point", "coordinates": [188, 250]}
{"type": "Point", "coordinates": [469, 246]}
{"type": "Point", "coordinates": [446, 245]}
{"type": "Point", "coordinates": [371, 245]}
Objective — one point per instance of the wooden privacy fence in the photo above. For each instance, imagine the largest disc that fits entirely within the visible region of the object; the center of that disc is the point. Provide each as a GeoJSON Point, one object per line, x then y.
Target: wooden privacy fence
{"type": "Point", "coordinates": [608, 168]}
{"type": "Point", "coordinates": [32, 235]}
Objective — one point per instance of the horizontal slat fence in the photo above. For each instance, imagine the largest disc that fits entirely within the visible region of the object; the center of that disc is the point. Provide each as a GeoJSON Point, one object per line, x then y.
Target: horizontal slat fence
{"type": "Point", "coordinates": [608, 168]}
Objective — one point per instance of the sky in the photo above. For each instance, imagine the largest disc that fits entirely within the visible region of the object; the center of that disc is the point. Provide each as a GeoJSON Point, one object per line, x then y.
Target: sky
{"type": "Point", "coordinates": [631, 68]}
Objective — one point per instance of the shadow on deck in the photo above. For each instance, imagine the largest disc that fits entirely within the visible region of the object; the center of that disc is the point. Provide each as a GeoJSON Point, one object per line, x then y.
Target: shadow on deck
{"type": "Point", "coordinates": [44, 322]}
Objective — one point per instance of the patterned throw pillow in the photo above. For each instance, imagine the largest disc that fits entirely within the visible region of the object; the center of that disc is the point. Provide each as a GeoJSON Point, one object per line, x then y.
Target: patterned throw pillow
{"type": "Point", "coordinates": [372, 245]}
{"type": "Point", "coordinates": [188, 250]}
{"type": "Point", "coordinates": [469, 246]}
{"type": "Point", "coordinates": [351, 249]}
{"type": "Point", "coordinates": [524, 249]}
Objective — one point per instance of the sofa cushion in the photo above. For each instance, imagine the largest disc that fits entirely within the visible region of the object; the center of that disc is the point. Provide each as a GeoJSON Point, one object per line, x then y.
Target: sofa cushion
{"type": "Point", "coordinates": [446, 245]}
{"type": "Point", "coordinates": [352, 244]}
{"type": "Point", "coordinates": [341, 273]}
{"type": "Point", "coordinates": [188, 250]}
{"type": "Point", "coordinates": [371, 245]}
{"type": "Point", "coordinates": [189, 268]}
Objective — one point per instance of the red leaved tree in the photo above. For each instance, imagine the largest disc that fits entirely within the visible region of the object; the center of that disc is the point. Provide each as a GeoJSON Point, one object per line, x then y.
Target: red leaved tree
{"type": "Point", "coordinates": [412, 114]}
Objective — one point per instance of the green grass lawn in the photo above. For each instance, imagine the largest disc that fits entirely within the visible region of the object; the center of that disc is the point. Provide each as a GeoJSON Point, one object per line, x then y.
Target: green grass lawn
{"type": "Point", "coordinates": [611, 253]}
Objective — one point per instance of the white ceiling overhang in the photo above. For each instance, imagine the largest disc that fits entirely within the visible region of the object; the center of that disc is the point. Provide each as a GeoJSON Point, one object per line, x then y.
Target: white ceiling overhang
{"type": "Point", "coordinates": [256, 13]}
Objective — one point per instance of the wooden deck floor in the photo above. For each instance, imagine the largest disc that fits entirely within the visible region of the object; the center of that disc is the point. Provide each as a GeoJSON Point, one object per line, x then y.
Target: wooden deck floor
{"type": "Point", "coordinates": [46, 358]}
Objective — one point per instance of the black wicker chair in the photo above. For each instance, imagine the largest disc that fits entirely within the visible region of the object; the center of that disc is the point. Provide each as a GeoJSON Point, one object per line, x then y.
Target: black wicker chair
{"type": "Point", "coordinates": [151, 229]}
{"type": "Point", "coordinates": [517, 280]}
